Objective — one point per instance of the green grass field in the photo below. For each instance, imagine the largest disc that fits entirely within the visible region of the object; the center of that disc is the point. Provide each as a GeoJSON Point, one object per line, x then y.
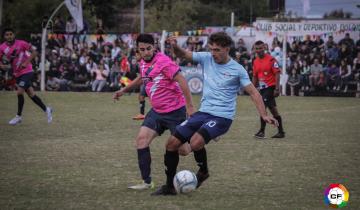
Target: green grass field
{"type": "Point", "coordinates": [86, 158]}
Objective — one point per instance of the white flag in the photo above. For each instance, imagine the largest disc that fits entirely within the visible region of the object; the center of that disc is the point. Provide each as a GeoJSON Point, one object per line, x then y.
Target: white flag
{"type": "Point", "coordinates": [306, 7]}
{"type": "Point", "coordinates": [75, 9]}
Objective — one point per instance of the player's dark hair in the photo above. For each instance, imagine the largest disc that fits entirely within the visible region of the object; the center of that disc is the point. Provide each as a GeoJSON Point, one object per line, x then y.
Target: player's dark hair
{"type": "Point", "coordinates": [221, 39]}
{"type": "Point", "coordinates": [145, 38]}
{"type": "Point", "coordinates": [6, 30]}
{"type": "Point", "coordinates": [259, 42]}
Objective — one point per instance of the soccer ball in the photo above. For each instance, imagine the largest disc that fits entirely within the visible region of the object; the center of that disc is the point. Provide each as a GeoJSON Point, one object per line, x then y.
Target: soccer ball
{"type": "Point", "coordinates": [185, 181]}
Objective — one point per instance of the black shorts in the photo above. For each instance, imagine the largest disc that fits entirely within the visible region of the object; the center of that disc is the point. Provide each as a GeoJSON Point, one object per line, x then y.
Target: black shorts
{"type": "Point", "coordinates": [268, 96]}
{"type": "Point", "coordinates": [160, 122]}
{"type": "Point", "coordinates": [24, 81]}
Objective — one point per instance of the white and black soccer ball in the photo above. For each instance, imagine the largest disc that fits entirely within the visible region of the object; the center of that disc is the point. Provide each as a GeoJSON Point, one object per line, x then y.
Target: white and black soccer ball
{"type": "Point", "coordinates": [185, 181]}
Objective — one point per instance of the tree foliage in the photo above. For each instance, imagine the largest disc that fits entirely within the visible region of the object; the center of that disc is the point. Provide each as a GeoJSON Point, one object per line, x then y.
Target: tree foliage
{"type": "Point", "coordinates": [171, 15]}
{"type": "Point", "coordinates": [338, 14]}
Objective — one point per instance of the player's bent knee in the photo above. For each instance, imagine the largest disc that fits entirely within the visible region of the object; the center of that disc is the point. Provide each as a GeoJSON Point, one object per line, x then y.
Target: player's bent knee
{"type": "Point", "coordinates": [142, 142]}
{"type": "Point", "coordinates": [197, 144]}
{"type": "Point", "coordinates": [185, 149]}
{"type": "Point", "coordinates": [173, 144]}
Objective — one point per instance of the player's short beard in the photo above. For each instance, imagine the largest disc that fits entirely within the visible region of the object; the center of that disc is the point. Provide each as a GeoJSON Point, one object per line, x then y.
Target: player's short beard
{"type": "Point", "coordinates": [149, 60]}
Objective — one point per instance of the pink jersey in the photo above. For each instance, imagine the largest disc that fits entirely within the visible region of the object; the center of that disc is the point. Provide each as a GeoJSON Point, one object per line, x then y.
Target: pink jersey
{"type": "Point", "coordinates": [16, 54]}
{"type": "Point", "coordinates": [164, 92]}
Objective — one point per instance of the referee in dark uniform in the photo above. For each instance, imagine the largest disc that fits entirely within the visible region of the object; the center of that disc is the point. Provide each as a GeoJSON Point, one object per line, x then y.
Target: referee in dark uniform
{"type": "Point", "coordinates": [266, 76]}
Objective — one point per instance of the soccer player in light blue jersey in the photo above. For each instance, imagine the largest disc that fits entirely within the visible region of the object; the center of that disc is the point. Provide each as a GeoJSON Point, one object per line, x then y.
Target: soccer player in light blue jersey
{"type": "Point", "coordinates": [222, 79]}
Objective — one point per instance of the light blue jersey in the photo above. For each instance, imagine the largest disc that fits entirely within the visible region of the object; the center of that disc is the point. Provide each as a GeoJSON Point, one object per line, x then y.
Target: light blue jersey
{"type": "Point", "coordinates": [221, 85]}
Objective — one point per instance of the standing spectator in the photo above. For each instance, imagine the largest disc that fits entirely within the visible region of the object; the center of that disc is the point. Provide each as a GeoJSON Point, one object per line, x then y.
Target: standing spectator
{"type": "Point", "coordinates": [71, 30]}
{"type": "Point", "coordinates": [59, 26]}
{"type": "Point", "coordinates": [349, 42]}
{"type": "Point", "coordinates": [330, 42]}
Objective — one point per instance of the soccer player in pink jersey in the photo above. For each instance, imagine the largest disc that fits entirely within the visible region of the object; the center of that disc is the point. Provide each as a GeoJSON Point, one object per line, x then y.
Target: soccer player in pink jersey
{"type": "Point", "coordinates": [169, 96]}
{"type": "Point", "coordinates": [15, 56]}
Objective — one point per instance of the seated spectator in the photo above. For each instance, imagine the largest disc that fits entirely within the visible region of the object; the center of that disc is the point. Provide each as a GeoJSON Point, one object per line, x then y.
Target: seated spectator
{"type": "Point", "coordinates": [315, 70]}
{"type": "Point", "coordinates": [332, 53]}
{"type": "Point", "coordinates": [304, 75]}
{"type": "Point", "coordinates": [293, 82]}
{"type": "Point", "coordinates": [333, 77]}
{"type": "Point", "coordinates": [115, 74]}
{"type": "Point", "coordinates": [320, 83]}
{"type": "Point", "coordinates": [100, 78]}
{"type": "Point", "coordinates": [52, 83]}
{"type": "Point", "coordinates": [345, 75]}
{"type": "Point", "coordinates": [356, 67]}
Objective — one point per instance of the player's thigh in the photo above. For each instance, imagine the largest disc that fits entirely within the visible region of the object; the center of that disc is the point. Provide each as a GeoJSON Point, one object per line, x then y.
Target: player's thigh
{"type": "Point", "coordinates": [24, 81]}
{"type": "Point", "coordinates": [186, 129]}
{"type": "Point", "coordinates": [268, 97]}
{"type": "Point", "coordinates": [213, 128]}
{"type": "Point", "coordinates": [173, 119]}
{"type": "Point", "coordinates": [144, 137]}
{"type": "Point", "coordinates": [153, 121]}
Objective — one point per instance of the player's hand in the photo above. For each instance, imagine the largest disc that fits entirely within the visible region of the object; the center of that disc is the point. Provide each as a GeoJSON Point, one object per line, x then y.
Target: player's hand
{"type": "Point", "coordinates": [172, 40]}
{"type": "Point", "coordinates": [24, 64]}
{"type": "Point", "coordinates": [276, 92]}
{"type": "Point", "coordinates": [117, 95]}
{"type": "Point", "coordinates": [190, 110]}
{"type": "Point", "coordinates": [271, 120]}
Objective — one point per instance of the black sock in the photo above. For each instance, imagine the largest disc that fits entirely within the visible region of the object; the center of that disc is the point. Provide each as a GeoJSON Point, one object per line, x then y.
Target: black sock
{"type": "Point", "coordinates": [263, 125]}
{"type": "Point", "coordinates": [171, 161]}
{"type": "Point", "coordinates": [144, 160]}
{"type": "Point", "coordinates": [201, 159]}
{"type": "Point", "coordinates": [38, 101]}
{"type": "Point", "coordinates": [142, 107]}
{"type": "Point", "coordinates": [280, 128]}
{"type": "Point", "coordinates": [20, 104]}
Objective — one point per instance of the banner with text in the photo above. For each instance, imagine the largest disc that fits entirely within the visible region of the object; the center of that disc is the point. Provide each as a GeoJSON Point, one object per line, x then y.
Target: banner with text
{"type": "Point", "coordinates": [307, 27]}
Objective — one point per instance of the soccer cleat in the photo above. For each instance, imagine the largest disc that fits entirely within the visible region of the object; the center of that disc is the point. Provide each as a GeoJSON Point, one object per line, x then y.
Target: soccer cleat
{"type": "Point", "coordinates": [279, 135]}
{"type": "Point", "coordinates": [49, 111]}
{"type": "Point", "coordinates": [260, 135]}
{"type": "Point", "coordinates": [164, 190]}
{"type": "Point", "coordinates": [139, 117]}
{"type": "Point", "coordinates": [142, 186]}
{"type": "Point", "coordinates": [16, 120]}
{"type": "Point", "coordinates": [201, 177]}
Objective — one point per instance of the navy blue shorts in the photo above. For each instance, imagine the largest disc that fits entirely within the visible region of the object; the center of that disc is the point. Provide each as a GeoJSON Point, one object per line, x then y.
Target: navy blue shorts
{"type": "Point", "coordinates": [160, 122]}
{"type": "Point", "coordinates": [24, 81]}
{"type": "Point", "coordinates": [207, 125]}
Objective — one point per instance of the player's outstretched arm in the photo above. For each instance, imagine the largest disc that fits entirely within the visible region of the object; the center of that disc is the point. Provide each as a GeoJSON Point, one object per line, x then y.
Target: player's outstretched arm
{"type": "Point", "coordinates": [179, 52]}
{"type": "Point", "coordinates": [179, 78]}
{"type": "Point", "coordinates": [258, 101]}
{"type": "Point", "coordinates": [135, 83]}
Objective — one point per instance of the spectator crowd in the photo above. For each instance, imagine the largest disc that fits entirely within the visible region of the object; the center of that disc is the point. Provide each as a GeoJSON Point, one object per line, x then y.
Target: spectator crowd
{"type": "Point", "coordinates": [74, 64]}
